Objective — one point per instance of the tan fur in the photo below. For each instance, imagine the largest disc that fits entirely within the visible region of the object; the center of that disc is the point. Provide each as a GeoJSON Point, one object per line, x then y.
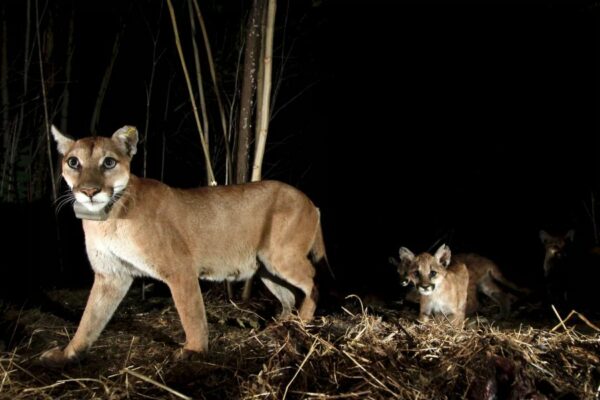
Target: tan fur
{"type": "Point", "coordinates": [174, 235]}
{"type": "Point", "coordinates": [484, 274]}
{"type": "Point", "coordinates": [411, 295]}
{"type": "Point", "coordinates": [443, 286]}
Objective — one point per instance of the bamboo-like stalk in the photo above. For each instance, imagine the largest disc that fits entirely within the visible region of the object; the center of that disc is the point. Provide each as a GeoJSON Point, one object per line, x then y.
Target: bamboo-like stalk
{"type": "Point", "coordinates": [145, 285]}
{"type": "Point", "coordinates": [593, 217]}
{"type": "Point", "coordinates": [199, 80]}
{"type": "Point", "coordinates": [261, 72]}
{"type": "Point", "coordinates": [64, 112]}
{"type": "Point", "coordinates": [213, 75]}
{"type": "Point", "coordinates": [266, 92]}
{"type": "Point", "coordinates": [10, 149]}
{"type": "Point", "coordinates": [105, 82]}
{"type": "Point", "coordinates": [45, 103]}
{"type": "Point", "coordinates": [164, 135]}
{"type": "Point", "coordinates": [26, 63]}
{"type": "Point", "coordinates": [5, 103]}
{"type": "Point", "coordinates": [211, 175]}
{"type": "Point", "coordinates": [228, 284]}
{"type": "Point", "coordinates": [4, 75]}
{"type": "Point", "coordinates": [148, 102]}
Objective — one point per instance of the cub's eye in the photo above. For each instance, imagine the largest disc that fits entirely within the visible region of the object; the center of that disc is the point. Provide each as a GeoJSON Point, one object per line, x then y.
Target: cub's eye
{"type": "Point", "coordinates": [432, 274]}
{"type": "Point", "coordinates": [109, 163]}
{"type": "Point", "coordinates": [73, 162]}
{"type": "Point", "coordinates": [416, 274]}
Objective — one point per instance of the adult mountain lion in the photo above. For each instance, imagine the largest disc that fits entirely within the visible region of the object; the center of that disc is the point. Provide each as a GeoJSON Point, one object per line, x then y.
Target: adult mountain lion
{"type": "Point", "coordinates": [174, 235]}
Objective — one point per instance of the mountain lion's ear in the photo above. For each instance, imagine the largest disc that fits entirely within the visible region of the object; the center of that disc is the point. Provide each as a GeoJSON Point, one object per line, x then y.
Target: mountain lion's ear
{"type": "Point", "coordinates": [443, 255]}
{"type": "Point", "coordinates": [63, 143]}
{"type": "Point", "coordinates": [544, 236]}
{"type": "Point", "coordinates": [127, 137]}
{"type": "Point", "coordinates": [570, 235]}
{"type": "Point", "coordinates": [405, 255]}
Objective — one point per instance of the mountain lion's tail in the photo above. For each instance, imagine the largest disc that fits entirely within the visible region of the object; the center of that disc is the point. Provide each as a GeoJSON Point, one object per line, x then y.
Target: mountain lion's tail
{"type": "Point", "coordinates": [317, 252]}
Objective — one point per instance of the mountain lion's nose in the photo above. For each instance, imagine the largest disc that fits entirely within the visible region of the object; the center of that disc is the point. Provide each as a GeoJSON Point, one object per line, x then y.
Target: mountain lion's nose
{"type": "Point", "coordinates": [90, 192]}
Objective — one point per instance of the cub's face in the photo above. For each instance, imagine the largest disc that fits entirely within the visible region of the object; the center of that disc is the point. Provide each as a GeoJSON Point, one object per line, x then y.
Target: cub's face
{"type": "Point", "coordinates": [402, 269]}
{"type": "Point", "coordinates": [555, 246]}
{"type": "Point", "coordinates": [426, 271]}
{"type": "Point", "coordinates": [97, 169]}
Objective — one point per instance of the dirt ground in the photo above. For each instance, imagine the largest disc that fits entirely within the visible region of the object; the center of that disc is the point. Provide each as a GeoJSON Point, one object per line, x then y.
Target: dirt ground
{"type": "Point", "coordinates": [363, 349]}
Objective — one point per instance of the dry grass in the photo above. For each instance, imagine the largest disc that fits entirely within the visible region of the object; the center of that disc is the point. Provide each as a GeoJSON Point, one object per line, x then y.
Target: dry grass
{"type": "Point", "coordinates": [351, 354]}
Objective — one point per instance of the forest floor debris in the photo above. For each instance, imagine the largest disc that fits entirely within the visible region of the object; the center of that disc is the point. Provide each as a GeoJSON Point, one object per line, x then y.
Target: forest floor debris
{"type": "Point", "coordinates": [357, 352]}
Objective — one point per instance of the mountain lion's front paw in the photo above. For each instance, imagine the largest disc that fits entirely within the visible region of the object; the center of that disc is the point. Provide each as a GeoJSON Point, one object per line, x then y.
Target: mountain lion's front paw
{"type": "Point", "coordinates": [184, 354]}
{"type": "Point", "coordinates": [56, 358]}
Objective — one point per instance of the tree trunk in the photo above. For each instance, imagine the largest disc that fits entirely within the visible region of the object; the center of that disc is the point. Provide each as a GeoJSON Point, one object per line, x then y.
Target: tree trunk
{"type": "Point", "coordinates": [263, 102]}
{"type": "Point", "coordinates": [248, 90]}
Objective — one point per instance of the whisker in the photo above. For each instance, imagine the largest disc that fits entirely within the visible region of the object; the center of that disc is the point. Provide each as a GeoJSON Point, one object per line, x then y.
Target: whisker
{"type": "Point", "coordinates": [62, 200]}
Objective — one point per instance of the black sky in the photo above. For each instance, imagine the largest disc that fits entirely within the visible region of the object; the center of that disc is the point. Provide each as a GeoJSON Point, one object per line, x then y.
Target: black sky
{"type": "Point", "coordinates": [414, 121]}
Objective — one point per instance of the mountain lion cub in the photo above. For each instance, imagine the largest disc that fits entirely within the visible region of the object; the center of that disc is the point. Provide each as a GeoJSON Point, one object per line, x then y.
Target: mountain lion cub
{"type": "Point", "coordinates": [176, 236]}
{"type": "Point", "coordinates": [443, 286]}
{"type": "Point", "coordinates": [484, 277]}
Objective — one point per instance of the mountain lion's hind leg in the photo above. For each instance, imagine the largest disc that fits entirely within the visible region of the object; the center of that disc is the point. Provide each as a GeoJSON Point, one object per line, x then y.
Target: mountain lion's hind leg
{"type": "Point", "coordinates": [296, 271]}
{"type": "Point", "coordinates": [276, 286]}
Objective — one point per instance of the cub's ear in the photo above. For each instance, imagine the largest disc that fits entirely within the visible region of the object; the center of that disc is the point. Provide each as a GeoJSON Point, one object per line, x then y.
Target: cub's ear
{"type": "Point", "coordinates": [570, 235]}
{"type": "Point", "coordinates": [544, 236]}
{"type": "Point", "coordinates": [405, 255]}
{"type": "Point", "coordinates": [443, 255]}
{"type": "Point", "coordinates": [394, 261]}
{"type": "Point", "coordinates": [63, 142]}
{"type": "Point", "coordinates": [127, 138]}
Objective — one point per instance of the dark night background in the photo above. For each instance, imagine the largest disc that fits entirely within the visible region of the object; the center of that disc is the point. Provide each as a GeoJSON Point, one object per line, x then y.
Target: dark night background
{"type": "Point", "coordinates": [405, 122]}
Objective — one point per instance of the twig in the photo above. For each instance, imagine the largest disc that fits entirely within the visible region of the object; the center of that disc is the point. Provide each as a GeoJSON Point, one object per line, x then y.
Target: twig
{"type": "Point", "coordinates": [561, 323]}
{"type": "Point", "coordinates": [381, 384]}
{"type": "Point", "coordinates": [153, 382]}
{"type": "Point", "coordinates": [358, 395]}
{"type": "Point", "coordinates": [213, 75]}
{"type": "Point", "coordinates": [199, 79]}
{"type": "Point", "coordinates": [310, 351]}
{"type": "Point", "coordinates": [70, 380]}
{"type": "Point", "coordinates": [246, 311]}
{"type": "Point", "coordinates": [209, 170]}
{"type": "Point", "coordinates": [571, 314]}
{"type": "Point", "coordinates": [106, 80]}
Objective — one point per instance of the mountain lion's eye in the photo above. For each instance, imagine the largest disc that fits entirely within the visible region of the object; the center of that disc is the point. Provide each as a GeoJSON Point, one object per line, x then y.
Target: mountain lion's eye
{"type": "Point", "coordinates": [432, 274]}
{"type": "Point", "coordinates": [109, 163]}
{"type": "Point", "coordinates": [416, 274]}
{"type": "Point", "coordinates": [73, 162]}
